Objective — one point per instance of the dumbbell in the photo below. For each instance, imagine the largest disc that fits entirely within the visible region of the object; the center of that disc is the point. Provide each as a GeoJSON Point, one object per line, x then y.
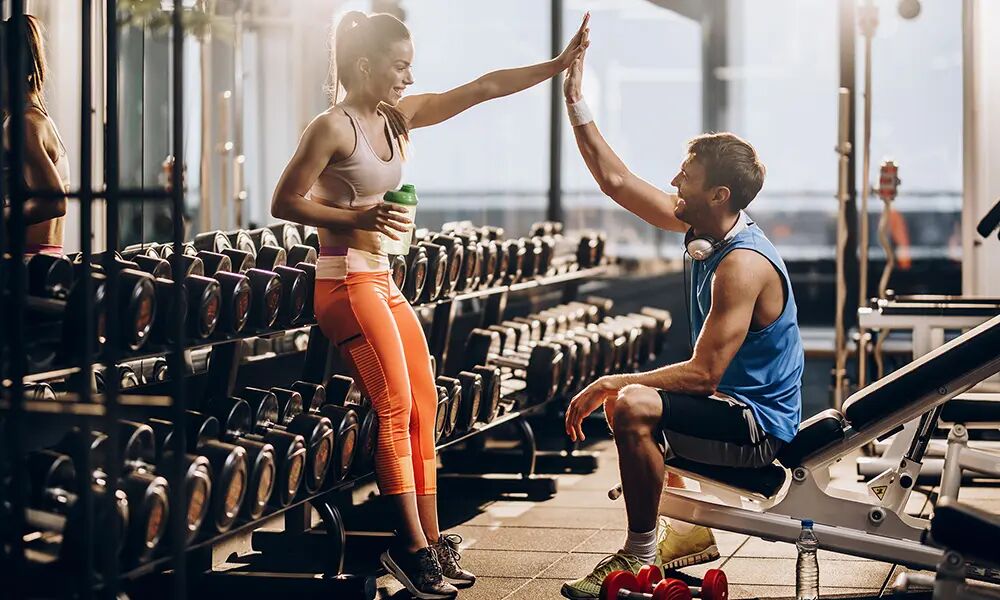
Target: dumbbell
{"type": "Point", "coordinates": [437, 272]}
{"type": "Point", "coordinates": [540, 228]}
{"type": "Point", "coordinates": [190, 263]}
{"type": "Point", "coordinates": [454, 389]}
{"type": "Point", "coordinates": [266, 295]}
{"type": "Point", "coordinates": [197, 476]}
{"type": "Point", "coordinates": [270, 257]}
{"type": "Point", "coordinates": [39, 392]}
{"type": "Point", "coordinates": [212, 241]}
{"type": "Point", "coordinates": [649, 584]}
{"type": "Point", "coordinates": [263, 236]}
{"type": "Point", "coordinates": [310, 236]}
{"type": "Point", "coordinates": [233, 417]}
{"type": "Point", "coordinates": [301, 253]}
{"type": "Point", "coordinates": [416, 266]}
{"type": "Point", "coordinates": [454, 251]}
{"type": "Point", "coordinates": [343, 419]}
{"type": "Point", "coordinates": [229, 466]}
{"type": "Point", "coordinates": [541, 365]}
{"type": "Point", "coordinates": [49, 276]}
{"type": "Point", "coordinates": [242, 261]}
{"type": "Point", "coordinates": [149, 249]}
{"type": "Point", "coordinates": [342, 390]}
{"type": "Point", "coordinates": [441, 413]}
{"type": "Point", "coordinates": [489, 265]}
{"type": "Point", "coordinates": [472, 400]}
{"type": "Point", "coordinates": [515, 253]}
{"type": "Point", "coordinates": [569, 348]}
{"type": "Point", "coordinates": [489, 405]}
{"type": "Point", "coordinates": [397, 266]}
{"type": "Point", "coordinates": [127, 378]}
{"type": "Point", "coordinates": [241, 240]}
{"type": "Point", "coordinates": [287, 235]}
{"type": "Point", "coordinates": [54, 507]}
{"type": "Point", "coordinates": [136, 301]}
{"type": "Point", "coordinates": [234, 290]}
{"type": "Point", "coordinates": [69, 315]}
{"type": "Point", "coordinates": [471, 257]}
{"type": "Point", "coordinates": [295, 294]}
{"type": "Point", "coordinates": [346, 425]}
{"type": "Point", "coordinates": [316, 430]}
{"type": "Point", "coordinates": [308, 314]}
{"type": "Point", "coordinates": [148, 493]}
{"type": "Point", "coordinates": [154, 265]}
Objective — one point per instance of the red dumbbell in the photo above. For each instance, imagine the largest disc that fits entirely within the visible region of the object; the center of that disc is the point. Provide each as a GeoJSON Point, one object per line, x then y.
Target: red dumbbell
{"type": "Point", "coordinates": [648, 585]}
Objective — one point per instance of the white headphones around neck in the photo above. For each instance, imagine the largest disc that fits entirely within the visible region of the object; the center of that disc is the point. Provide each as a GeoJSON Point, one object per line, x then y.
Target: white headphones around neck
{"type": "Point", "coordinates": [703, 247]}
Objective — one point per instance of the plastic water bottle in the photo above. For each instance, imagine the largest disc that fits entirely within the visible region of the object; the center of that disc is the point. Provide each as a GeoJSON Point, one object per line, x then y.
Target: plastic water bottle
{"type": "Point", "coordinates": [806, 566]}
{"type": "Point", "coordinates": [405, 198]}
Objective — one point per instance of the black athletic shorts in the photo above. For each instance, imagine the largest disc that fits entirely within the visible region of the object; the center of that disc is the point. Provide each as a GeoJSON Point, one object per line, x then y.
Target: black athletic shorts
{"type": "Point", "coordinates": [715, 430]}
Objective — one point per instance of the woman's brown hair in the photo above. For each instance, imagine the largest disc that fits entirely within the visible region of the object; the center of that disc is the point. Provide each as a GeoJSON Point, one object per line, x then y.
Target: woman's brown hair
{"type": "Point", "coordinates": [360, 35]}
{"type": "Point", "coordinates": [33, 47]}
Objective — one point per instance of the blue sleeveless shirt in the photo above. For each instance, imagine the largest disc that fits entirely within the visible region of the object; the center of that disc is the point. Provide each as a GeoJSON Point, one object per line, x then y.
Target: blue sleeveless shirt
{"type": "Point", "coordinates": [766, 372]}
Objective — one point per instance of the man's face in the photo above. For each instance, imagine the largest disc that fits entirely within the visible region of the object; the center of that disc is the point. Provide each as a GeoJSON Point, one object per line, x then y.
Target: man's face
{"type": "Point", "coordinates": [690, 184]}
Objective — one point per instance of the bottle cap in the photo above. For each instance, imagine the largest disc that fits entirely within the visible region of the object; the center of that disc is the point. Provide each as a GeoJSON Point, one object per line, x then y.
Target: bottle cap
{"type": "Point", "coordinates": [400, 197]}
{"type": "Point", "coordinates": [807, 523]}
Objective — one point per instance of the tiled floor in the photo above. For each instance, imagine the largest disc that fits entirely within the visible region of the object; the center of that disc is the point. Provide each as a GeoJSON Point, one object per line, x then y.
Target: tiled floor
{"type": "Point", "coordinates": [525, 550]}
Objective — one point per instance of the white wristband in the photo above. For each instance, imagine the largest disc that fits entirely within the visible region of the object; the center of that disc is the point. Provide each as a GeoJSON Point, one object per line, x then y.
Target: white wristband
{"type": "Point", "coordinates": [579, 113]}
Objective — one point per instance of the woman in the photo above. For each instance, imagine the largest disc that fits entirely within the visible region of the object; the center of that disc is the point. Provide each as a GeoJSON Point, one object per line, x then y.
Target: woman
{"type": "Point", "coordinates": [46, 166]}
{"type": "Point", "coordinates": [347, 158]}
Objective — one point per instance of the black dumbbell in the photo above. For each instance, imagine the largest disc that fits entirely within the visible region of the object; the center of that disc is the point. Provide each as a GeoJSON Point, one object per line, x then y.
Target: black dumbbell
{"type": "Point", "coordinates": [55, 509]}
{"type": "Point", "coordinates": [316, 430]}
{"type": "Point", "coordinates": [342, 391]}
{"type": "Point", "coordinates": [287, 235]}
{"type": "Point", "coordinates": [270, 257]}
{"type": "Point", "coordinates": [309, 285]}
{"type": "Point", "coordinates": [437, 272]}
{"type": "Point", "coordinates": [197, 476]}
{"type": "Point", "coordinates": [49, 276]}
{"type": "Point", "coordinates": [212, 241]}
{"type": "Point", "coordinates": [296, 294]}
{"type": "Point", "coordinates": [529, 335]}
{"type": "Point", "coordinates": [148, 493]}
{"type": "Point", "coordinates": [263, 237]}
{"type": "Point", "coordinates": [344, 421]}
{"type": "Point", "coordinates": [265, 292]}
{"type": "Point", "coordinates": [136, 301]}
{"type": "Point", "coordinates": [310, 236]}
{"type": "Point", "coordinates": [364, 456]}
{"type": "Point", "coordinates": [540, 228]}
{"type": "Point", "coordinates": [454, 251]}
{"type": "Point", "coordinates": [150, 249]}
{"type": "Point", "coordinates": [241, 240]}
{"type": "Point", "coordinates": [472, 400]}
{"type": "Point", "coordinates": [454, 389]}
{"type": "Point", "coordinates": [127, 378]}
{"type": "Point", "coordinates": [300, 253]}
{"type": "Point", "coordinates": [229, 465]}
{"type": "Point", "coordinates": [39, 392]}
{"type": "Point", "coordinates": [234, 417]}
{"type": "Point", "coordinates": [416, 267]}
{"type": "Point", "coordinates": [541, 365]}
{"type": "Point", "coordinates": [441, 413]}
{"type": "Point", "coordinates": [489, 406]}
{"type": "Point", "coordinates": [397, 266]}
{"type": "Point", "coordinates": [154, 265]}
{"type": "Point", "coordinates": [242, 261]}
{"type": "Point", "coordinates": [471, 257]}
{"type": "Point", "coordinates": [515, 252]}
{"type": "Point", "coordinates": [490, 263]}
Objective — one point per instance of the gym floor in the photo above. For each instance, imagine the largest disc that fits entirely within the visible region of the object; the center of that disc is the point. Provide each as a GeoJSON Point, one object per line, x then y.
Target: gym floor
{"type": "Point", "coordinates": [522, 549]}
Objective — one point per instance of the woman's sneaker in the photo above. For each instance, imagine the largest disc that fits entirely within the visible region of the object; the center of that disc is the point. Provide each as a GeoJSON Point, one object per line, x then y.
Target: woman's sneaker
{"type": "Point", "coordinates": [446, 550]}
{"type": "Point", "coordinates": [419, 572]}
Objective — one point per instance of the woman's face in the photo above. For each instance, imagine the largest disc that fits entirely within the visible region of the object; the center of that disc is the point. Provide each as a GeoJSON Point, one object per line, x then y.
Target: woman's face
{"type": "Point", "coordinates": [390, 73]}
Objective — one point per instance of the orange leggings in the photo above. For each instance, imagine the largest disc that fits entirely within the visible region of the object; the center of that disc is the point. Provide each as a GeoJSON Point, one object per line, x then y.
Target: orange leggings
{"type": "Point", "coordinates": [379, 337]}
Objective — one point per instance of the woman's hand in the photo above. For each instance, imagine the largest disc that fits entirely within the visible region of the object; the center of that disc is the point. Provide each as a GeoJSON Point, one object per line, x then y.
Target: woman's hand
{"type": "Point", "coordinates": [386, 218]}
{"type": "Point", "coordinates": [576, 46]}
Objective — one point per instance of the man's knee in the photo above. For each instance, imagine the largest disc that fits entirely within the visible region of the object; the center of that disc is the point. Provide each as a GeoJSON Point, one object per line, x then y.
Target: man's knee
{"type": "Point", "coordinates": [637, 407]}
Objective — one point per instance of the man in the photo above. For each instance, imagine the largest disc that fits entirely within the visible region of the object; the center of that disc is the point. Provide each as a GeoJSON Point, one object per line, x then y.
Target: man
{"type": "Point", "coordinates": [737, 400]}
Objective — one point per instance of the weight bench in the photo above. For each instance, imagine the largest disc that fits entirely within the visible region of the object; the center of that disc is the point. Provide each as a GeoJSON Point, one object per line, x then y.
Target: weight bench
{"type": "Point", "coordinates": [928, 318]}
{"type": "Point", "coordinates": [770, 502]}
{"type": "Point", "coordinates": [968, 534]}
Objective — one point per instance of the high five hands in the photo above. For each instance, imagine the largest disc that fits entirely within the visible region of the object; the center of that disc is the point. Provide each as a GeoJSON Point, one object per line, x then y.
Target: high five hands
{"type": "Point", "coordinates": [574, 74]}
{"type": "Point", "coordinates": [577, 47]}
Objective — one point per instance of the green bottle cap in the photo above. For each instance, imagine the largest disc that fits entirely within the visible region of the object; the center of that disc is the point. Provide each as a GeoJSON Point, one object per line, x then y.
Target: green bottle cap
{"type": "Point", "coordinates": [400, 197]}
{"type": "Point", "coordinates": [408, 188]}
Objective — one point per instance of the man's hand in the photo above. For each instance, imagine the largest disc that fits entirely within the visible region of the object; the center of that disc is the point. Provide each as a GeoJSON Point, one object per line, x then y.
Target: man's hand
{"type": "Point", "coordinates": [573, 84]}
{"type": "Point", "coordinates": [587, 402]}
{"type": "Point", "coordinates": [576, 47]}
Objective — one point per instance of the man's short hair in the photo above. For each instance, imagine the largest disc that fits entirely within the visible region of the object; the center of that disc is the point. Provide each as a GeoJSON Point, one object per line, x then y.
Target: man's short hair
{"type": "Point", "coordinates": [729, 161]}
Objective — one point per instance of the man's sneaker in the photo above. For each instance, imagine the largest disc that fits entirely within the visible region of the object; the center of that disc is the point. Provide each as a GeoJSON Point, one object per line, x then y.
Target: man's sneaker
{"type": "Point", "coordinates": [446, 550]}
{"type": "Point", "coordinates": [419, 572]}
{"type": "Point", "coordinates": [590, 586]}
{"type": "Point", "coordinates": [693, 548]}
